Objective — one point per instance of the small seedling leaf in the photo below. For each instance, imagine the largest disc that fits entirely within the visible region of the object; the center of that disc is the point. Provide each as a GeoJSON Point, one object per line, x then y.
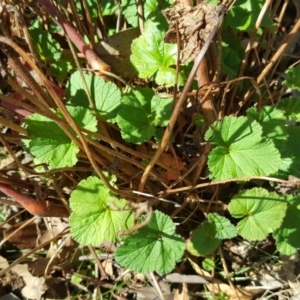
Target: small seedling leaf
{"type": "Point", "coordinates": [105, 95]}
{"type": "Point", "coordinates": [153, 58]}
{"type": "Point", "coordinates": [208, 264]}
{"type": "Point", "coordinates": [154, 247]}
{"type": "Point", "coordinates": [203, 240]}
{"type": "Point", "coordinates": [240, 150]}
{"type": "Point", "coordinates": [262, 212]}
{"type": "Point", "coordinates": [97, 214]}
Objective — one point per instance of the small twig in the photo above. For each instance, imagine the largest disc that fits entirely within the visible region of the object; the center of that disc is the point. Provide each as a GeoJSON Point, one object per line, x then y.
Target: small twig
{"type": "Point", "coordinates": [227, 272]}
{"type": "Point", "coordinates": [212, 183]}
{"type": "Point", "coordinates": [140, 15]}
{"type": "Point", "coordinates": [157, 287]}
{"type": "Point", "coordinates": [33, 251]}
{"type": "Point", "coordinates": [98, 262]}
{"type": "Point", "coordinates": [138, 226]}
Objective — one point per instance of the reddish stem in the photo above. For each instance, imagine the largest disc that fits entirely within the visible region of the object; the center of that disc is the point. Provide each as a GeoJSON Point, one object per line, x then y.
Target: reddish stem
{"type": "Point", "coordinates": [95, 62]}
{"type": "Point", "coordinates": [41, 208]}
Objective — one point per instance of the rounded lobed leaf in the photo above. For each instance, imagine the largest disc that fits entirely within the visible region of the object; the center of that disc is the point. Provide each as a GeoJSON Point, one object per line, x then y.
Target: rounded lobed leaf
{"type": "Point", "coordinates": [262, 212]}
{"type": "Point", "coordinates": [96, 213]}
{"type": "Point", "coordinates": [154, 247]}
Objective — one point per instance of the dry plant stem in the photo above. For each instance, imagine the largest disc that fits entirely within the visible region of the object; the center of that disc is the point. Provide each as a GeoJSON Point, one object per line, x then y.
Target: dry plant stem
{"type": "Point", "coordinates": [278, 25]}
{"type": "Point", "coordinates": [90, 26]}
{"type": "Point", "coordinates": [227, 272]}
{"type": "Point", "coordinates": [60, 195]}
{"type": "Point", "coordinates": [190, 169]}
{"type": "Point", "coordinates": [140, 10]}
{"type": "Point", "coordinates": [102, 22]}
{"type": "Point", "coordinates": [20, 227]}
{"type": "Point", "coordinates": [74, 13]}
{"type": "Point", "coordinates": [100, 267]}
{"type": "Point", "coordinates": [23, 104]}
{"type": "Point", "coordinates": [209, 114]}
{"type": "Point", "coordinates": [262, 13]}
{"type": "Point", "coordinates": [37, 208]}
{"type": "Point", "coordinates": [12, 125]}
{"type": "Point", "coordinates": [207, 184]}
{"type": "Point", "coordinates": [256, 87]}
{"type": "Point", "coordinates": [275, 59]}
{"type": "Point", "coordinates": [120, 155]}
{"type": "Point", "coordinates": [33, 251]}
{"type": "Point", "coordinates": [157, 287]}
{"type": "Point", "coordinates": [58, 102]}
{"type": "Point", "coordinates": [95, 62]}
{"type": "Point", "coordinates": [176, 111]}
{"type": "Point", "coordinates": [207, 104]}
{"type": "Point", "coordinates": [8, 221]}
{"type": "Point", "coordinates": [278, 54]}
{"type": "Point", "coordinates": [138, 226]}
{"type": "Point", "coordinates": [28, 39]}
{"type": "Point", "coordinates": [56, 254]}
{"type": "Point", "coordinates": [11, 153]}
{"type": "Point", "coordinates": [44, 101]}
{"type": "Point", "coordinates": [250, 45]}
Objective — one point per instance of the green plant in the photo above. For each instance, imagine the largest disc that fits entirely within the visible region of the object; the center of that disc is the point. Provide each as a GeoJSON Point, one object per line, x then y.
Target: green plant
{"type": "Point", "coordinates": [243, 139]}
{"type": "Point", "coordinates": [245, 147]}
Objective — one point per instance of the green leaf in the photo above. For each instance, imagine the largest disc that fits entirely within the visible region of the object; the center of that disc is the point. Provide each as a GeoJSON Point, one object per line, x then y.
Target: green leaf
{"type": "Point", "coordinates": [290, 107]}
{"type": "Point", "coordinates": [45, 45]}
{"type": "Point", "coordinates": [293, 78]}
{"type": "Point", "coordinates": [262, 212]}
{"type": "Point", "coordinates": [61, 68]}
{"type": "Point", "coordinates": [230, 62]}
{"type": "Point", "coordinates": [287, 236]}
{"type": "Point", "coordinates": [239, 149]}
{"type": "Point", "coordinates": [150, 9]}
{"type": "Point", "coordinates": [290, 153]}
{"type": "Point", "coordinates": [273, 122]}
{"type": "Point", "coordinates": [140, 112]}
{"type": "Point", "coordinates": [108, 7]}
{"type": "Point", "coordinates": [203, 240]}
{"type": "Point", "coordinates": [244, 13]}
{"type": "Point", "coordinates": [50, 144]}
{"type": "Point", "coordinates": [106, 95]}
{"type": "Point", "coordinates": [208, 264]}
{"type": "Point", "coordinates": [155, 247]}
{"type": "Point", "coordinates": [97, 214]}
{"type": "Point", "coordinates": [153, 58]}
{"type": "Point", "coordinates": [224, 229]}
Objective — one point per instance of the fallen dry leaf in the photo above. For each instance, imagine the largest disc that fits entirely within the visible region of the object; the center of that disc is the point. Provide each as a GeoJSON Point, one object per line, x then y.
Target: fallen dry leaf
{"type": "Point", "coordinates": [173, 162]}
{"type": "Point", "coordinates": [32, 287]}
{"type": "Point", "coordinates": [218, 286]}
{"type": "Point", "coordinates": [194, 24]}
